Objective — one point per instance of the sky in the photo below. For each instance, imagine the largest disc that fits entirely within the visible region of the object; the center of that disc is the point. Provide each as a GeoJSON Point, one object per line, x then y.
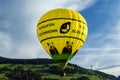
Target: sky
{"type": "Point", "coordinates": [18, 37]}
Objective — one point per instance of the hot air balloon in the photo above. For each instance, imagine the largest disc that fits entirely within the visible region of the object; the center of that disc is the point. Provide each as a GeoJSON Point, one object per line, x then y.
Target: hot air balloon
{"type": "Point", "coordinates": [62, 32]}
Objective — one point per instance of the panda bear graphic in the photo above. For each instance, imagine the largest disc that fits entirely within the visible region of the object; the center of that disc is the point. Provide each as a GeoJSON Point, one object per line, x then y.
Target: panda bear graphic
{"type": "Point", "coordinates": [65, 27]}
{"type": "Point", "coordinates": [52, 48]}
{"type": "Point", "coordinates": [68, 48]}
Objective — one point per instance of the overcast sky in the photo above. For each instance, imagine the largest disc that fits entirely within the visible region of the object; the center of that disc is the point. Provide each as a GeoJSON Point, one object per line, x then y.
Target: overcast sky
{"type": "Point", "coordinates": [18, 38]}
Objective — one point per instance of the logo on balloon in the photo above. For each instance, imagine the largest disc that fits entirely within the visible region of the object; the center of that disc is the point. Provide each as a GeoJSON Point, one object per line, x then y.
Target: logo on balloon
{"type": "Point", "coordinates": [65, 27]}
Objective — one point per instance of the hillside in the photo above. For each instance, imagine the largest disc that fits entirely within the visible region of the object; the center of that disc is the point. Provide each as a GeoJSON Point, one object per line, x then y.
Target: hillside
{"type": "Point", "coordinates": [45, 69]}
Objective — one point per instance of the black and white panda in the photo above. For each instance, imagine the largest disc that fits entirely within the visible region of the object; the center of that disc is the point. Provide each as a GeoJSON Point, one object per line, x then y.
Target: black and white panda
{"type": "Point", "coordinates": [52, 48]}
{"type": "Point", "coordinates": [68, 48]}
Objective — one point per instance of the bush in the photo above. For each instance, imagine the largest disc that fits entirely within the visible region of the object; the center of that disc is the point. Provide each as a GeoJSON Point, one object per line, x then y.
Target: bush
{"type": "Point", "coordinates": [83, 78]}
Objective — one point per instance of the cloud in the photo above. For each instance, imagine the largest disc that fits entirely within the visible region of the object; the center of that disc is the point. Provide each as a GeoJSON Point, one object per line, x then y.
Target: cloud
{"type": "Point", "coordinates": [18, 38]}
{"type": "Point", "coordinates": [30, 50]}
{"type": "Point", "coordinates": [33, 11]}
{"type": "Point", "coordinates": [101, 51]}
{"type": "Point", "coordinates": [113, 71]}
{"type": "Point", "coordinates": [115, 31]}
{"type": "Point", "coordinates": [0, 9]}
{"type": "Point", "coordinates": [5, 44]}
{"type": "Point", "coordinates": [4, 25]}
{"type": "Point", "coordinates": [39, 7]}
{"type": "Point", "coordinates": [98, 60]}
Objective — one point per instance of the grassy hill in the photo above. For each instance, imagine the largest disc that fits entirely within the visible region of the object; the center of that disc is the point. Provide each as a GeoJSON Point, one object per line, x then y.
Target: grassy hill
{"type": "Point", "coordinates": [45, 69]}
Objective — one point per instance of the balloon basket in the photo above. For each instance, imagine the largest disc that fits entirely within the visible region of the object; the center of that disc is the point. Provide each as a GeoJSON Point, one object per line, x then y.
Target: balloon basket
{"type": "Point", "coordinates": [63, 73]}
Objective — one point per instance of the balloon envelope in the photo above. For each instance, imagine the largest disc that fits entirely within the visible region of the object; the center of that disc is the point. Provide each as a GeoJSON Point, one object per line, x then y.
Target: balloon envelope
{"type": "Point", "coordinates": [62, 32]}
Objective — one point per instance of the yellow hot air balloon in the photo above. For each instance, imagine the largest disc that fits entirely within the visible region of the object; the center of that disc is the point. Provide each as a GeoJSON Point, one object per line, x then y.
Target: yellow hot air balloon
{"type": "Point", "coordinates": [62, 32]}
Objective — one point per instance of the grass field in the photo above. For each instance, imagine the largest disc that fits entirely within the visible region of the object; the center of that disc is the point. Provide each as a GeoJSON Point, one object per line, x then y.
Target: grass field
{"type": "Point", "coordinates": [45, 69]}
{"type": "Point", "coordinates": [42, 71]}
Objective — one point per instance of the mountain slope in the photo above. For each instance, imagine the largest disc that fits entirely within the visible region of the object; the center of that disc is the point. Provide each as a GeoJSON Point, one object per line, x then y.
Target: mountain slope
{"type": "Point", "coordinates": [45, 69]}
